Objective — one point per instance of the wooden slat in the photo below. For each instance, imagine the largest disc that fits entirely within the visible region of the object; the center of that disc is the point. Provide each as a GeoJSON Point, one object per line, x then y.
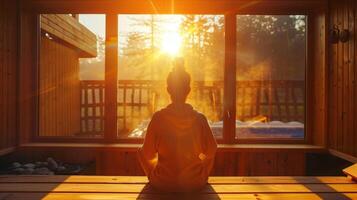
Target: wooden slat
{"type": "Point", "coordinates": [59, 110]}
{"type": "Point", "coordinates": [217, 188]}
{"type": "Point", "coordinates": [142, 179]}
{"type": "Point", "coordinates": [351, 171]}
{"type": "Point", "coordinates": [127, 196]}
{"type": "Point", "coordinates": [8, 75]}
{"type": "Point", "coordinates": [69, 30]}
{"type": "Point", "coordinates": [341, 126]}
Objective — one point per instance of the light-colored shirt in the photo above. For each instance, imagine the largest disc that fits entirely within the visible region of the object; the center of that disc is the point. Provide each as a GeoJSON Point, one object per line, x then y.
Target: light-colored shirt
{"type": "Point", "coordinates": [179, 149]}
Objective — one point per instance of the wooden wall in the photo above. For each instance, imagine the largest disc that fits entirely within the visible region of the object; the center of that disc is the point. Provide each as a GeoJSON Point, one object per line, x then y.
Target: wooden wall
{"type": "Point", "coordinates": [342, 87]}
{"type": "Point", "coordinates": [8, 74]}
{"type": "Point", "coordinates": [68, 29]}
{"type": "Point", "coordinates": [59, 101]}
{"type": "Point", "coordinates": [258, 163]}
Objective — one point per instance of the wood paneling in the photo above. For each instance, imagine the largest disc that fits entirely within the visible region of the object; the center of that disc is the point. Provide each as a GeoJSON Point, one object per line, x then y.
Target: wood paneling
{"type": "Point", "coordinates": [226, 163]}
{"type": "Point", "coordinates": [59, 89]}
{"type": "Point", "coordinates": [121, 159]}
{"type": "Point", "coordinates": [69, 30]}
{"type": "Point", "coordinates": [8, 74]}
{"type": "Point", "coordinates": [342, 106]}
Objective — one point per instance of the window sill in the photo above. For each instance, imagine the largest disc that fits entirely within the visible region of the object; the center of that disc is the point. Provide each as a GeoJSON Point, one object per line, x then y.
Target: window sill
{"type": "Point", "coordinates": [221, 147]}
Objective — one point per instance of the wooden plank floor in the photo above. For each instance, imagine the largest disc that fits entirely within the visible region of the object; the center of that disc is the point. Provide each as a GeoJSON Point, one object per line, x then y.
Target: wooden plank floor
{"type": "Point", "coordinates": [119, 187]}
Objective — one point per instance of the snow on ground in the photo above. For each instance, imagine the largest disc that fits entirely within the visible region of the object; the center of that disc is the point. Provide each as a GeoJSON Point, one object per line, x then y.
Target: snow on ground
{"type": "Point", "coordinates": [248, 129]}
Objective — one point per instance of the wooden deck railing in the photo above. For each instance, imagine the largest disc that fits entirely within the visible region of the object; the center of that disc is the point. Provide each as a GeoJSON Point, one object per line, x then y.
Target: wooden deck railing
{"type": "Point", "coordinates": [138, 99]}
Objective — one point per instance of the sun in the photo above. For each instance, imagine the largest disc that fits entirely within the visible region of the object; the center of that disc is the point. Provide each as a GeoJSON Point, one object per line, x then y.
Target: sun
{"type": "Point", "coordinates": [171, 43]}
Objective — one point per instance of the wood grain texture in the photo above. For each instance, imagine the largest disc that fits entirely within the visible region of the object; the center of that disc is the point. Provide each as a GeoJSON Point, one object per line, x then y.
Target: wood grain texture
{"type": "Point", "coordinates": [143, 179]}
{"type": "Point", "coordinates": [70, 31]}
{"type": "Point", "coordinates": [342, 88]}
{"type": "Point", "coordinates": [8, 74]}
{"type": "Point", "coordinates": [109, 187]}
{"type": "Point", "coordinates": [351, 171]}
{"type": "Point", "coordinates": [226, 163]}
{"type": "Point", "coordinates": [59, 91]}
{"type": "Point", "coordinates": [128, 196]}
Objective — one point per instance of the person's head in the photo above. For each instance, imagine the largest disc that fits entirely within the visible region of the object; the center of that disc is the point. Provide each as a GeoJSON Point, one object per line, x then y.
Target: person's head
{"type": "Point", "coordinates": [178, 82]}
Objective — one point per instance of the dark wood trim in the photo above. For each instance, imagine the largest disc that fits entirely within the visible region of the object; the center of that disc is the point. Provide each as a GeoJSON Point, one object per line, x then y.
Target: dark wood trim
{"type": "Point", "coordinates": [7, 151]}
{"type": "Point", "coordinates": [343, 155]}
{"type": "Point", "coordinates": [221, 147]}
{"type": "Point", "coordinates": [308, 78]}
{"type": "Point", "coordinates": [111, 77]}
{"type": "Point", "coordinates": [229, 106]}
{"type": "Point", "coordinates": [102, 140]}
{"type": "Point", "coordinates": [317, 77]}
{"type": "Point", "coordinates": [57, 139]}
{"type": "Point", "coordinates": [28, 76]}
{"type": "Point", "coordinates": [270, 141]}
{"type": "Point", "coordinates": [175, 7]}
{"type": "Point", "coordinates": [241, 7]}
{"type": "Point", "coordinates": [18, 66]}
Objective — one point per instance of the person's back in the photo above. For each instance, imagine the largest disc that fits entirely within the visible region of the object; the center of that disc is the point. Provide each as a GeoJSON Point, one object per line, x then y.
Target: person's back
{"type": "Point", "coordinates": [179, 147]}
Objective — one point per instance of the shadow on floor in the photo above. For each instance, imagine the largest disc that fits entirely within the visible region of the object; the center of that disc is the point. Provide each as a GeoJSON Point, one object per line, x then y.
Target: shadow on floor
{"type": "Point", "coordinates": [149, 192]}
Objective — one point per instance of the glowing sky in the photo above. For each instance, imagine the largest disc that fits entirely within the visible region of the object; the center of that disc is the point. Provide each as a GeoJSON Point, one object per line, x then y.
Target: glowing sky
{"type": "Point", "coordinates": [129, 23]}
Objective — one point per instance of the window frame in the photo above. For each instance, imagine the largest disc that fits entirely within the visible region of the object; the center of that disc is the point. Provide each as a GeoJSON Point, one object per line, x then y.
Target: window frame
{"type": "Point", "coordinates": [229, 107]}
{"type": "Point", "coordinates": [307, 133]}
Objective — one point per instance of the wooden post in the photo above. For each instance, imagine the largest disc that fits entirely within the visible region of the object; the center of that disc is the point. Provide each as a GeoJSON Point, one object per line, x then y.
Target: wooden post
{"type": "Point", "coordinates": [111, 73]}
{"type": "Point", "coordinates": [28, 74]}
{"type": "Point", "coordinates": [229, 114]}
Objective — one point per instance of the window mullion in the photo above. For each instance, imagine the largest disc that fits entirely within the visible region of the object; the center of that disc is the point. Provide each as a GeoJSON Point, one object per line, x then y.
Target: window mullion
{"type": "Point", "coordinates": [111, 73]}
{"type": "Point", "coordinates": [229, 79]}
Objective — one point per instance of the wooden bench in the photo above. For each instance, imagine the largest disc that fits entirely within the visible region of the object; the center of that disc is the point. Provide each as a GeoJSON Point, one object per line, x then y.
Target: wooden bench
{"type": "Point", "coordinates": [120, 187]}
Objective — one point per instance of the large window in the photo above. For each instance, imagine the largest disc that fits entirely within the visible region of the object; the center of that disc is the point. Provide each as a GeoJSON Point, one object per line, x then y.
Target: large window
{"type": "Point", "coordinates": [103, 76]}
{"type": "Point", "coordinates": [148, 44]}
{"type": "Point", "coordinates": [270, 87]}
{"type": "Point", "coordinates": [71, 75]}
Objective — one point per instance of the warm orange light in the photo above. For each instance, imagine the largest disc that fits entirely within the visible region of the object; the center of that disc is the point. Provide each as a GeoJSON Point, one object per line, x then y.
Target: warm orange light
{"type": "Point", "coordinates": [171, 43]}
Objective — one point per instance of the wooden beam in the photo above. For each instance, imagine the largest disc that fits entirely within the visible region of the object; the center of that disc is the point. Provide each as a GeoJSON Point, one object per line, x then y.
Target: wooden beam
{"type": "Point", "coordinates": [144, 179]}
{"type": "Point", "coordinates": [68, 30]}
{"type": "Point", "coordinates": [111, 77]}
{"type": "Point", "coordinates": [221, 147]}
{"type": "Point", "coordinates": [229, 108]}
{"type": "Point", "coordinates": [28, 76]}
{"type": "Point", "coordinates": [7, 151]}
{"type": "Point", "coordinates": [343, 155]}
{"type": "Point", "coordinates": [175, 7]}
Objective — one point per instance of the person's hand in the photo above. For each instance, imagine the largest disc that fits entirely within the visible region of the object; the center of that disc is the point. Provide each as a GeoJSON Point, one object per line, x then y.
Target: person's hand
{"type": "Point", "coordinates": [202, 156]}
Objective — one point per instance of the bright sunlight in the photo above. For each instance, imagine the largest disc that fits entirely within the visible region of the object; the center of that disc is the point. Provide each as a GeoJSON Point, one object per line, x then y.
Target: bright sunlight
{"type": "Point", "coordinates": [171, 43]}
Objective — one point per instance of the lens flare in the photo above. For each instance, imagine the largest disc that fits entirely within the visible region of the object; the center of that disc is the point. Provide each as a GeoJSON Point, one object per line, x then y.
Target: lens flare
{"type": "Point", "coordinates": [171, 43]}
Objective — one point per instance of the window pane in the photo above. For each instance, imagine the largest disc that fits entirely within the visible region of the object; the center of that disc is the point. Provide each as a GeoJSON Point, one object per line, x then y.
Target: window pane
{"type": "Point", "coordinates": [271, 63]}
{"type": "Point", "coordinates": [147, 46]}
{"type": "Point", "coordinates": [71, 75]}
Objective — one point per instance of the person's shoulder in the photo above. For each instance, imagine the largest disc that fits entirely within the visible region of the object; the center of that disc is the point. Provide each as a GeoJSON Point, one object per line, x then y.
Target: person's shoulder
{"type": "Point", "coordinates": [200, 115]}
{"type": "Point", "coordinates": [158, 114]}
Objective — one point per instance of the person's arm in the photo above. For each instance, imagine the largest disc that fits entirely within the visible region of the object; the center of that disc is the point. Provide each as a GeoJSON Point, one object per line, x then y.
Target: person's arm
{"type": "Point", "coordinates": [209, 146]}
{"type": "Point", "coordinates": [147, 154]}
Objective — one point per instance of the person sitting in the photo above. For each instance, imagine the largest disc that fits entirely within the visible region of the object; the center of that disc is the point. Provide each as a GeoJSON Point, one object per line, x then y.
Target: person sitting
{"type": "Point", "coordinates": [179, 147]}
